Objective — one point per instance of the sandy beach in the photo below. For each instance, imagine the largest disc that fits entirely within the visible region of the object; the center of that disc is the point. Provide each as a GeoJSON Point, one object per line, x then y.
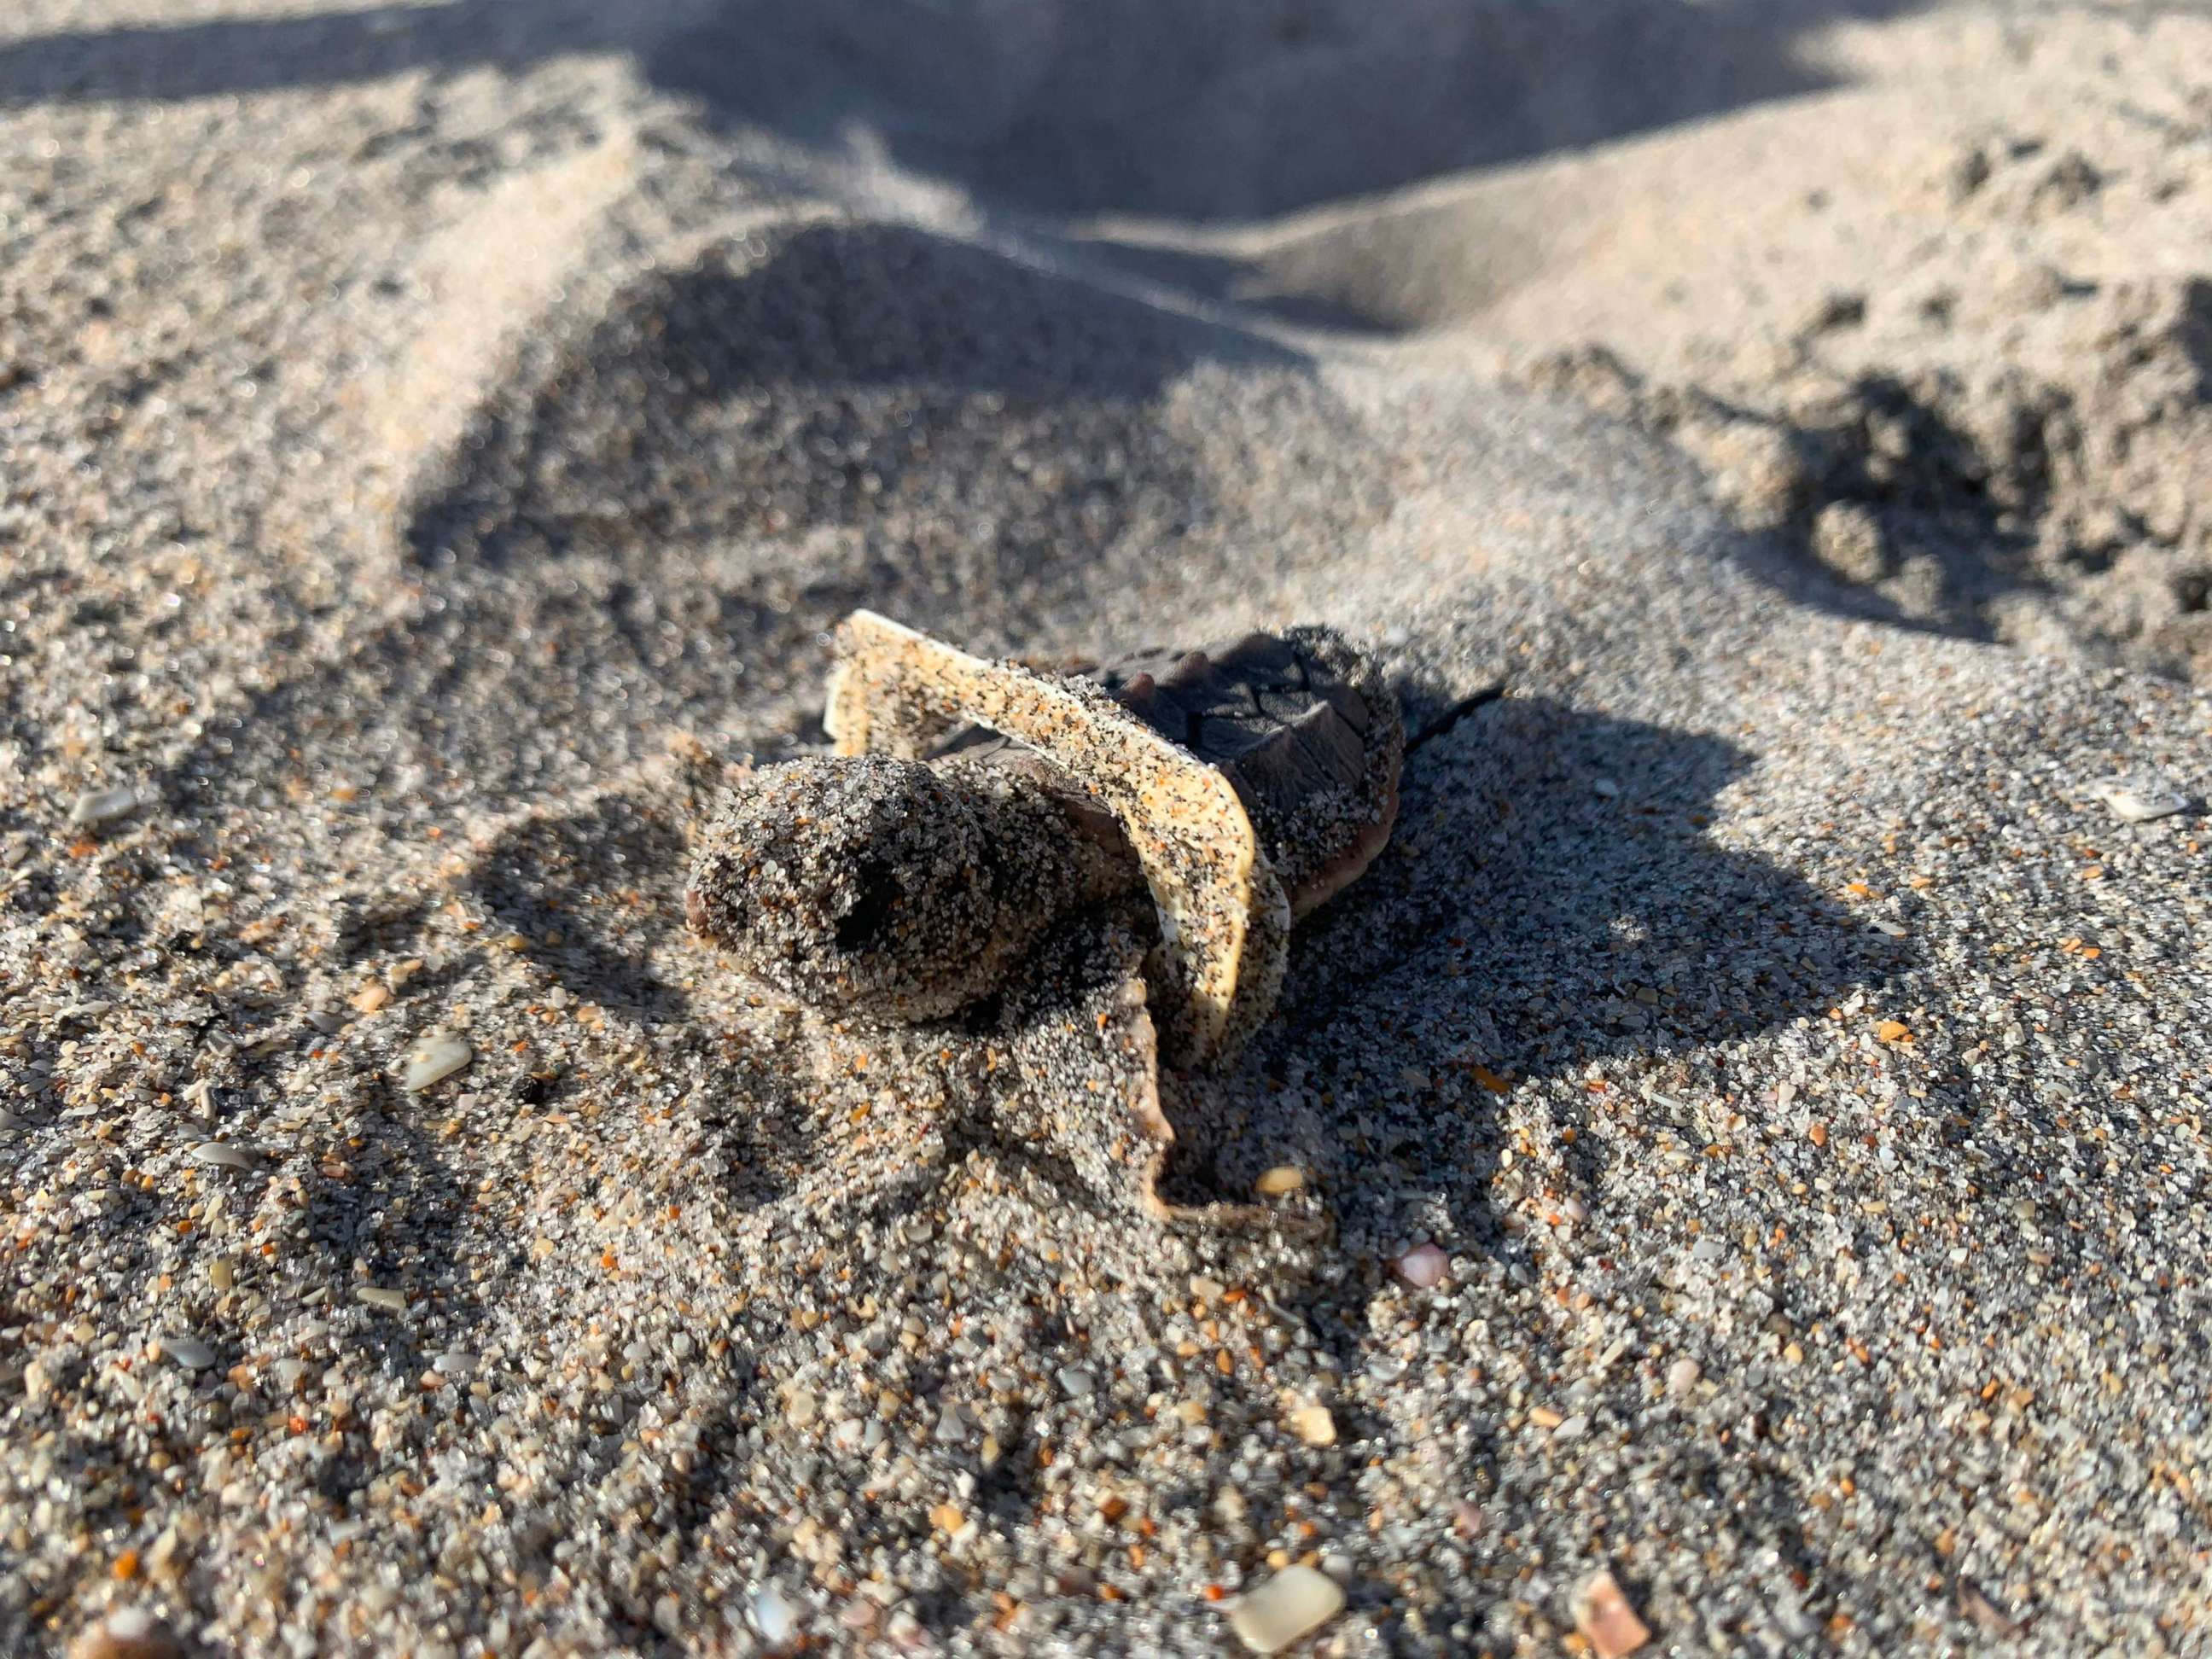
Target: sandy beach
{"type": "Point", "coordinates": [436, 443]}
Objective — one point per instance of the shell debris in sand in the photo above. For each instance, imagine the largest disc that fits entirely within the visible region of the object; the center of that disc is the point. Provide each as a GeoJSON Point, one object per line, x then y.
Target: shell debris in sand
{"type": "Point", "coordinates": [189, 1351]}
{"type": "Point", "coordinates": [98, 806]}
{"type": "Point", "coordinates": [2142, 800]}
{"type": "Point", "coordinates": [1295, 1602]}
{"type": "Point", "coordinates": [436, 1057]}
{"type": "Point", "coordinates": [223, 1154]}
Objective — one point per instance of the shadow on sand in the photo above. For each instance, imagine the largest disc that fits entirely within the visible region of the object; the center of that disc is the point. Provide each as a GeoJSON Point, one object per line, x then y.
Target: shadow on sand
{"type": "Point", "coordinates": [1552, 900]}
{"type": "Point", "coordinates": [1217, 109]}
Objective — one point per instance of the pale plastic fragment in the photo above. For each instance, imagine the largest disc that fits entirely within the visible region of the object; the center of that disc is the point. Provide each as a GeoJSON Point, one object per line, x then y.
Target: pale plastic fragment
{"type": "Point", "coordinates": [454, 1362]}
{"type": "Point", "coordinates": [1295, 1602]}
{"type": "Point", "coordinates": [436, 1057]}
{"type": "Point", "coordinates": [189, 1351]}
{"type": "Point", "coordinates": [219, 1152]}
{"type": "Point", "coordinates": [1423, 1267]}
{"type": "Point", "coordinates": [390, 1301]}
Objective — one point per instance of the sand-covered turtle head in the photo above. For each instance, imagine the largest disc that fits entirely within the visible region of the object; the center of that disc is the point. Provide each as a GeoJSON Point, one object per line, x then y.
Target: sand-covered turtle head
{"type": "Point", "coordinates": [851, 881]}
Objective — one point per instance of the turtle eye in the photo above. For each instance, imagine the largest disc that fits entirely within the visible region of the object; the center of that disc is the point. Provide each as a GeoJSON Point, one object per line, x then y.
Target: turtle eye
{"type": "Point", "coordinates": [878, 897]}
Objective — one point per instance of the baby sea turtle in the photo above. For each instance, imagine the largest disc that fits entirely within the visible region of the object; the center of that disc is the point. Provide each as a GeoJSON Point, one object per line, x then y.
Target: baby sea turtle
{"type": "Point", "coordinates": [973, 805]}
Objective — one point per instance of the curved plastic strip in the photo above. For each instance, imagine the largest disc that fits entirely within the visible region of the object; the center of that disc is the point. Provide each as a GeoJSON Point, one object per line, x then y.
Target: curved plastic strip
{"type": "Point", "coordinates": [1224, 922]}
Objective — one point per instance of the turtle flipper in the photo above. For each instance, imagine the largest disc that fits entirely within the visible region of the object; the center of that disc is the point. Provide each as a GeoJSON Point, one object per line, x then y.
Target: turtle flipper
{"type": "Point", "coordinates": [1225, 919]}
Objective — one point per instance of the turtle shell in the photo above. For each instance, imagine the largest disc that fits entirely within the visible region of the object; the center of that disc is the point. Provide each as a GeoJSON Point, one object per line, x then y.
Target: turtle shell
{"type": "Point", "coordinates": [1302, 724]}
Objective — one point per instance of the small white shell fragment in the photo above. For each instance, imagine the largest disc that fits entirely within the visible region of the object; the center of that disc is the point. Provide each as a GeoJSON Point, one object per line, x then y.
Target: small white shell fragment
{"type": "Point", "coordinates": [454, 1362]}
{"type": "Point", "coordinates": [2139, 800]}
{"type": "Point", "coordinates": [1283, 1179]}
{"type": "Point", "coordinates": [437, 1056]}
{"type": "Point", "coordinates": [222, 1152]}
{"type": "Point", "coordinates": [99, 805]}
{"type": "Point", "coordinates": [1314, 1425]}
{"type": "Point", "coordinates": [775, 1616]}
{"type": "Point", "coordinates": [189, 1351]}
{"type": "Point", "coordinates": [1423, 1267]}
{"type": "Point", "coordinates": [1295, 1601]}
{"type": "Point", "coordinates": [375, 1296]}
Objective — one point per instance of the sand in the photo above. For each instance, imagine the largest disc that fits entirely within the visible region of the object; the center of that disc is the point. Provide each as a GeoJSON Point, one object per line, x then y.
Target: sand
{"type": "Point", "coordinates": [436, 440]}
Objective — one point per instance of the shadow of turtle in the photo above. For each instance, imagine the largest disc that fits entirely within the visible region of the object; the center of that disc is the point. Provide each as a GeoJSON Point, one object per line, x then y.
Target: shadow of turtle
{"type": "Point", "coordinates": [1552, 903]}
{"type": "Point", "coordinates": [583, 896]}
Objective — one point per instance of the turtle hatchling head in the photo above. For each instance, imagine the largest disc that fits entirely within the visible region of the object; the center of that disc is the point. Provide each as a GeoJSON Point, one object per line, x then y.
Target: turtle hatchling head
{"type": "Point", "coordinates": [853, 882]}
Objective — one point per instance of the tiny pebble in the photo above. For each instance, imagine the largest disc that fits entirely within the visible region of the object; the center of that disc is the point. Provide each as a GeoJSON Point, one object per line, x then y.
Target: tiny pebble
{"type": "Point", "coordinates": [218, 1151]}
{"type": "Point", "coordinates": [1606, 1620]}
{"type": "Point", "coordinates": [1423, 1267]}
{"type": "Point", "coordinates": [128, 1634]}
{"type": "Point", "coordinates": [799, 1410]}
{"type": "Point", "coordinates": [438, 1055]}
{"type": "Point", "coordinates": [188, 1351]}
{"type": "Point", "coordinates": [1604, 786]}
{"type": "Point", "coordinates": [1076, 1383]}
{"type": "Point", "coordinates": [1571, 1428]}
{"type": "Point", "coordinates": [1314, 1425]}
{"type": "Point", "coordinates": [775, 1616]}
{"type": "Point", "coordinates": [390, 1301]}
{"type": "Point", "coordinates": [1682, 1375]}
{"type": "Point", "coordinates": [1290, 1605]}
{"type": "Point", "coordinates": [454, 1362]}
{"type": "Point", "coordinates": [1282, 1179]}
